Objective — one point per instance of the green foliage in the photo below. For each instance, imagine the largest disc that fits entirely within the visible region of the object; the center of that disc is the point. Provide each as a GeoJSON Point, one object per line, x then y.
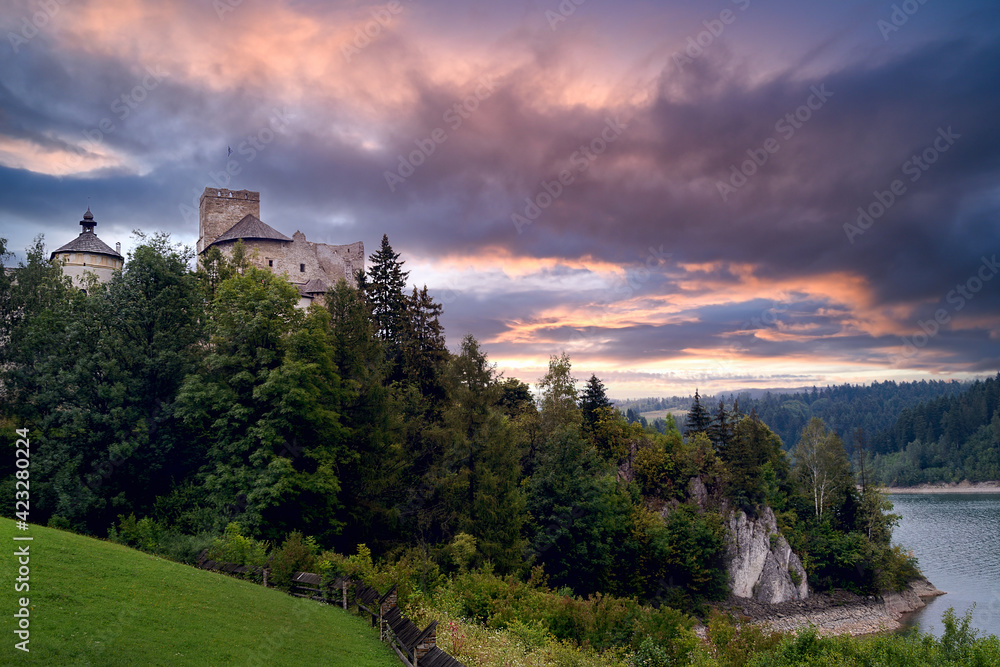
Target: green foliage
{"type": "Point", "coordinates": [233, 547]}
{"type": "Point", "coordinates": [580, 516]}
{"type": "Point", "coordinates": [754, 447]}
{"type": "Point", "coordinates": [698, 419]}
{"type": "Point", "coordinates": [958, 646]}
{"type": "Point", "coordinates": [150, 536]}
{"type": "Point", "coordinates": [296, 554]}
{"type": "Point", "coordinates": [734, 644]}
{"type": "Point", "coordinates": [594, 403]}
{"type": "Point", "coordinates": [821, 466]}
{"type": "Point", "coordinates": [532, 609]}
{"type": "Point", "coordinates": [558, 403]}
{"type": "Point", "coordinates": [463, 550]}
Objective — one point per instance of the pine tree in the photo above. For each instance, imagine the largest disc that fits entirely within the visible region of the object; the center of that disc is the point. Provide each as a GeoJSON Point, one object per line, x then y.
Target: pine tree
{"type": "Point", "coordinates": [386, 281]}
{"type": "Point", "coordinates": [593, 401]}
{"type": "Point", "coordinates": [422, 345]}
{"type": "Point", "coordinates": [697, 418]}
{"type": "Point", "coordinates": [720, 430]}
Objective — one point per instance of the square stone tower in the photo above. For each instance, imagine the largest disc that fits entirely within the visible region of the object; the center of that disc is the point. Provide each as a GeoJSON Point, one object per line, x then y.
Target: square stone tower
{"type": "Point", "coordinates": [220, 209]}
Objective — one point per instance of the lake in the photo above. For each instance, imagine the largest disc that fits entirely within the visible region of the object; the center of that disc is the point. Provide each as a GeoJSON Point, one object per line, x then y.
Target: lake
{"type": "Point", "coordinates": [956, 538]}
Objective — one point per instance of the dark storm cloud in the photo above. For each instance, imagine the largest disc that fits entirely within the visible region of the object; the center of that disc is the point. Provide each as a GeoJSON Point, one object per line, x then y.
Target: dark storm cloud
{"type": "Point", "coordinates": [522, 118]}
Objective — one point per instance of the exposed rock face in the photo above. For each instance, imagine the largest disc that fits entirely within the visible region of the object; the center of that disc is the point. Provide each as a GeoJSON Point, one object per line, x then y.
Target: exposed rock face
{"type": "Point", "coordinates": [762, 567]}
{"type": "Point", "coordinates": [840, 612]}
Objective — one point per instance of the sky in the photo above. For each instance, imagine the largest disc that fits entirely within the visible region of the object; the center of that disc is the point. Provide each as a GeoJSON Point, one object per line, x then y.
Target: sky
{"type": "Point", "coordinates": [711, 194]}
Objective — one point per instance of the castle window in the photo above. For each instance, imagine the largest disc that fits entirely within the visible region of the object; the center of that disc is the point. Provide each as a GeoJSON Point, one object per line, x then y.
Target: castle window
{"type": "Point", "coordinates": [302, 268]}
{"type": "Point", "coordinates": [270, 262]}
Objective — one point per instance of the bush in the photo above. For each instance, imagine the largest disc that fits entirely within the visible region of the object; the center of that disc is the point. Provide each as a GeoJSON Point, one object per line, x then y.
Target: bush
{"type": "Point", "coordinates": [232, 547]}
{"type": "Point", "coordinates": [143, 534]}
{"type": "Point", "coordinates": [59, 522]}
{"type": "Point", "coordinates": [297, 554]}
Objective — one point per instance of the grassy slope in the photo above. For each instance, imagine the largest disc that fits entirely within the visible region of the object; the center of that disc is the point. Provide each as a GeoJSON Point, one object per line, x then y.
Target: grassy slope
{"type": "Point", "coordinates": [99, 603]}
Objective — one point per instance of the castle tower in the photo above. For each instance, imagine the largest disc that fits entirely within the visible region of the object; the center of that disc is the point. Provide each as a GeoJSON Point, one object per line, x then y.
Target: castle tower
{"type": "Point", "coordinates": [88, 254]}
{"type": "Point", "coordinates": [220, 209]}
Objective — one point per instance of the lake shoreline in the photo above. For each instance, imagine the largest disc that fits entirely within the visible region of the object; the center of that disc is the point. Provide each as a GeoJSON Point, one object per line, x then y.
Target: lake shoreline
{"type": "Point", "coordinates": [836, 612]}
{"type": "Point", "coordinates": [945, 487]}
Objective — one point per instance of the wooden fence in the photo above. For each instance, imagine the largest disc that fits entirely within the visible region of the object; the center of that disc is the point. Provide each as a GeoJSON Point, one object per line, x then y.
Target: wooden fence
{"type": "Point", "coordinates": [413, 646]}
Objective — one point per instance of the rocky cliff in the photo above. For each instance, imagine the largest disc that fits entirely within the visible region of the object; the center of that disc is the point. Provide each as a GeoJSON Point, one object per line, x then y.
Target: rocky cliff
{"type": "Point", "coordinates": [760, 563]}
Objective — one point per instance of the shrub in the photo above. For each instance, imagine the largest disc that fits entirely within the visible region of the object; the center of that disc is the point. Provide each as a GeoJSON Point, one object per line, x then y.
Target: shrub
{"type": "Point", "coordinates": [232, 547]}
{"type": "Point", "coordinates": [297, 554]}
{"type": "Point", "coordinates": [143, 534]}
{"type": "Point", "coordinates": [59, 522]}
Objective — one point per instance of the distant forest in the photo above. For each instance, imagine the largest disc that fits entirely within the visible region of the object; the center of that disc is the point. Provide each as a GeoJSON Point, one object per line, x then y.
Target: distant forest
{"type": "Point", "coordinates": [948, 439]}
{"type": "Point", "coordinates": [911, 432]}
{"type": "Point", "coordinates": [844, 408]}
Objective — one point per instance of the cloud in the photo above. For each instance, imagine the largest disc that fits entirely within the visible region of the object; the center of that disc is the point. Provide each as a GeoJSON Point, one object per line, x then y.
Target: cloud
{"type": "Point", "coordinates": [833, 116]}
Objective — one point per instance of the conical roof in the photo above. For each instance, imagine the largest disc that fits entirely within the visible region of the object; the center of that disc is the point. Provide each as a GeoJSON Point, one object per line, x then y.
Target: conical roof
{"type": "Point", "coordinates": [251, 227]}
{"type": "Point", "coordinates": [87, 241]}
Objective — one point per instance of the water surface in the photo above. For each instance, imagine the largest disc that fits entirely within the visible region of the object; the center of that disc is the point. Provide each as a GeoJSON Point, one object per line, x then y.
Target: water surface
{"type": "Point", "coordinates": [956, 538]}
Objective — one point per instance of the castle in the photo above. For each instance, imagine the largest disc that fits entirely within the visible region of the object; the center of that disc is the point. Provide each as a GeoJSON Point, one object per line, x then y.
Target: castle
{"type": "Point", "coordinates": [228, 216]}
{"type": "Point", "coordinates": [88, 254]}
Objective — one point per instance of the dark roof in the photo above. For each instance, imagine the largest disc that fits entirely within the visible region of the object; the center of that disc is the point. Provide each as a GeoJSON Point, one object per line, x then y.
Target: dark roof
{"type": "Point", "coordinates": [251, 227]}
{"type": "Point", "coordinates": [87, 242]}
{"type": "Point", "coordinates": [313, 287]}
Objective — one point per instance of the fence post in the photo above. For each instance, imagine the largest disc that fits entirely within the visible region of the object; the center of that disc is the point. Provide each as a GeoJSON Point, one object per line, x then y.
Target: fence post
{"type": "Point", "coordinates": [343, 586]}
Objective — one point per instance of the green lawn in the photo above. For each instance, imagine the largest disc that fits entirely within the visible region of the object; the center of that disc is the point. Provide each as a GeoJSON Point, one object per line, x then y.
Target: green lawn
{"type": "Point", "coordinates": [98, 603]}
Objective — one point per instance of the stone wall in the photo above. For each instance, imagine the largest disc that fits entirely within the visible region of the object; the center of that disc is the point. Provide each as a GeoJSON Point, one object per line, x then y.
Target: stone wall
{"type": "Point", "coordinates": [220, 209]}
{"type": "Point", "coordinates": [300, 260]}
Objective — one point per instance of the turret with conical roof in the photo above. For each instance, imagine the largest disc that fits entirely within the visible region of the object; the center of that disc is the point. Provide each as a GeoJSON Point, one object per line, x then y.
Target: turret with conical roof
{"type": "Point", "coordinates": [88, 254]}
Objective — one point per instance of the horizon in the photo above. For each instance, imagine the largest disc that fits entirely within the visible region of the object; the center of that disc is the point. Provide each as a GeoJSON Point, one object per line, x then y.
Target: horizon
{"type": "Point", "coordinates": [721, 195]}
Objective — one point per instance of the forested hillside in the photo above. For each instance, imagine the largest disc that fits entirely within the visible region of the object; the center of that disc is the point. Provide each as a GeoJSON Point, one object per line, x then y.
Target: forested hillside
{"type": "Point", "coordinates": [948, 439]}
{"type": "Point", "coordinates": [844, 408]}
{"type": "Point", "coordinates": [175, 410]}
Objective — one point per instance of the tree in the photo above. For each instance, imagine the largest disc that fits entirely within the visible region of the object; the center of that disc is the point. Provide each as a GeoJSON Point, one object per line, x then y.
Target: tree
{"type": "Point", "coordinates": [720, 430]}
{"type": "Point", "coordinates": [265, 405]}
{"type": "Point", "coordinates": [593, 400]}
{"type": "Point", "coordinates": [486, 477]}
{"type": "Point", "coordinates": [697, 418]}
{"type": "Point", "coordinates": [97, 374]}
{"type": "Point", "coordinates": [754, 456]}
{"type": "Point", "coordinates": [422, 345]}
{"type": "Point", "coordinates": [580, 515]}
{"type": "Point", "coordinates": [386, 281]}
{"type": "Point", "coordinates": [821, 464]}
{"type": "Point", "coordinates": [558, 396]}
